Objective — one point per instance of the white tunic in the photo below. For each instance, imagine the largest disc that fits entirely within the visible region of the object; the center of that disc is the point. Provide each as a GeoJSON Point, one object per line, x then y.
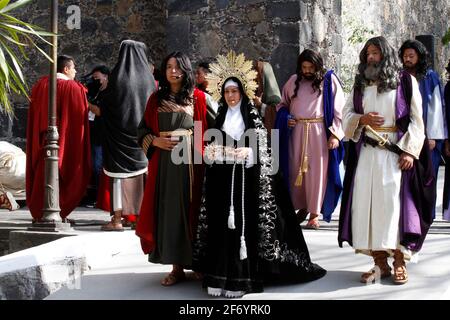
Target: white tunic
{"type": "Point", "coordinates": [376, 194]}
{"type": "Point", "coordinates": [436, 127]}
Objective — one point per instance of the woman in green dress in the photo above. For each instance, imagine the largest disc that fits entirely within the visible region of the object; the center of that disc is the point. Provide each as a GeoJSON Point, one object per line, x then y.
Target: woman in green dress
{"type": "Point", "coordinates": [173, 189]}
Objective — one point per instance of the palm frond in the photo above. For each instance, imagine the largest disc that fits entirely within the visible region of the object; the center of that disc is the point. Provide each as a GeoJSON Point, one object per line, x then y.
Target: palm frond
{"type": "Point", "coordinates": [14, 5]}
{"type": "Point", "coordinates": [16, 36]}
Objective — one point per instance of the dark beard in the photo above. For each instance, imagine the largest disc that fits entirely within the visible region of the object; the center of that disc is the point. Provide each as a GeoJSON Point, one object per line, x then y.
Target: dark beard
{"type": "Point", "coordinates": [309, 77]}
{"type": "Point", "coordinates": [372, 72]}
{"type": "Point", "coordinates": [411, 69]}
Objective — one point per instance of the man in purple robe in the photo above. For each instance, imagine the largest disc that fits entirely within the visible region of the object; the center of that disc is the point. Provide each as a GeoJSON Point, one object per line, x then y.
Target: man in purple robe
{"type": "Point", "coordinates": [416, 61]}
{"type": "Point", "coordinates": [388, 187]}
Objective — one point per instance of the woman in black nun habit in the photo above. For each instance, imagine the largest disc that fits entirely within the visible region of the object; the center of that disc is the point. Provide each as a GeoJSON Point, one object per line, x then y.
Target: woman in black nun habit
{"type": "Point", "coordinates": [247, 232]}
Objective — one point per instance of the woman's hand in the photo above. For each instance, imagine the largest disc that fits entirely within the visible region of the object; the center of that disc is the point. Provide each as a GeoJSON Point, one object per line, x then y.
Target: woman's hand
{"type": "Point", "coordinates": [242, 153]}
{"type": "Point", "coordinates": [164, 143]}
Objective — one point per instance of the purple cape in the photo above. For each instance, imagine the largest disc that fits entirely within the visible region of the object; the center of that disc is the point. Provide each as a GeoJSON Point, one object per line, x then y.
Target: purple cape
{"type": "Point", "coordinates": [417, 191]}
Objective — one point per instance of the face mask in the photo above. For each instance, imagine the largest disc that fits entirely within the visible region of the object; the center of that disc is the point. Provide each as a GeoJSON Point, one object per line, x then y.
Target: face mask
{"type": "Point", "coordinates": [93, 88]}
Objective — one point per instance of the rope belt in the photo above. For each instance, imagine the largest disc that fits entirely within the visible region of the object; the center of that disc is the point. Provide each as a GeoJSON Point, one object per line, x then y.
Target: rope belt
{"type": "Point", "coordinates": [304, 158]}
{"type": "Point", "coordinates": [188, 135]}
{"type": "Point", "coordinates": [231, 224]}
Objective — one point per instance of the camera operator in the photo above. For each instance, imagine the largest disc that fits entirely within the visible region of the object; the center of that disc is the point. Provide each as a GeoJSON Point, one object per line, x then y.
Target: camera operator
{"type": "Point", "coordinates": [96, 82]}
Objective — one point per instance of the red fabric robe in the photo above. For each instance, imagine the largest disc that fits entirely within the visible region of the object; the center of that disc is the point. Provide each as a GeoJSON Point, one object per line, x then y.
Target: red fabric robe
{"type": "Point", "coordinates": [74, 145]}
{"type": "Point", "coordinates": [103, 194]}
{"type": "Point", "coordinates": [145, 228]}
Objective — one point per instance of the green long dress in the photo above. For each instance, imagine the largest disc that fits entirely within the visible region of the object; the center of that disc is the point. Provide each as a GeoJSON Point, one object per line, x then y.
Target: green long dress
{"type": "Point", "coordinates": [173, 244]}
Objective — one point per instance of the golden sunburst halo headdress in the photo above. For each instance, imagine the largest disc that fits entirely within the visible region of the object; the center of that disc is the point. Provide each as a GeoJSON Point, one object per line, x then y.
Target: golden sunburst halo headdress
{"type": "Point", "coordinates": [231, 65]}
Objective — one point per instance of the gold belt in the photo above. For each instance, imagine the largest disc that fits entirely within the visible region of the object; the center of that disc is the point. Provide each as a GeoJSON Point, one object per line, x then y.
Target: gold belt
{"type": "Point", "coordinates": [176, 133]}
{"type": "Point", "coordinates": [311, 120]}
{"type": "Point", "coordinates": [385, 129]}
{"type": "Point", "coordinates": [304, 163]}
{"type": "Point", "coordinates": [188, 135]}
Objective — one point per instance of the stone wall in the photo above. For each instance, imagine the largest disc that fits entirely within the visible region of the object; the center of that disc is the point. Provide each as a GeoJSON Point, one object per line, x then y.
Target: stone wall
{"type": "Point", "coordinates": [275, 31]}
{"type": "Point", "coordinates": [104, 23]}
{"type": "Point", "coordinates": [272, 30]}
{"type": "Point", "coordinates": [397, 21]}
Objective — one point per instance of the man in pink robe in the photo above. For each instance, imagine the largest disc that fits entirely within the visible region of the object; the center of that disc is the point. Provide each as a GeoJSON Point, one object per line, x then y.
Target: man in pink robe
{"type": "Point", "coordinates": [303, 96]}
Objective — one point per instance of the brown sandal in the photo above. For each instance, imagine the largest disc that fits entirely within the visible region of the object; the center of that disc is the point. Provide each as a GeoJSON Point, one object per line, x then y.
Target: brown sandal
{"type": "Point", "coordinates": [313, 223]}
{"type": "Point", "coordinates": [381, 269]}
{"type": "Point", "coordinates": [400, 276]}
{"type": "Point", "coordinates": [371, 276]}
{"type": "Point", "coordinates": [173, 278]}
{"type": "Point", "coordinates": [111, 226]}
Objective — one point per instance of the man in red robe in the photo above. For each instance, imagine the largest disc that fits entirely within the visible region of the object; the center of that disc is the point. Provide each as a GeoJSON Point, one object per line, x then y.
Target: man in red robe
{"type": "Point", "coordinates": [74, 146]}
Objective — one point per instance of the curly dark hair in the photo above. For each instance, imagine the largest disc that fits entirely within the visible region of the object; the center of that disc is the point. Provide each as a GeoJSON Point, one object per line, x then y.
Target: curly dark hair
{"type": "Point", "coordinates": [204, 64]}
{"type": "Point", "coordinates": [184, 96]}
{"type": "Point", "coordinates": [316, 59]}
{"type": "Point", "coordinates": [389, 77]}
{"type": "Point", "coordinates": [424, 57]}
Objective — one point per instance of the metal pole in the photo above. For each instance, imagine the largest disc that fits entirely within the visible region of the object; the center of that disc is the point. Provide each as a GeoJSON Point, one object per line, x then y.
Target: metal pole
{"type": "Point", "coordinates": [51, 219]}
{"type": "Point", "coordinates": [51, 208]}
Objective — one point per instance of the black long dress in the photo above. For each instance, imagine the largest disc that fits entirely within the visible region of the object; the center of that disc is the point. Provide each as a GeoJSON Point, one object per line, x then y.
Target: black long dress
{"type": "Point", "coordinates": [276, 249]}
{"type": "Point", "coordinates": [123, 105]}
{"type": "Point", "coordinates": [446, 192]}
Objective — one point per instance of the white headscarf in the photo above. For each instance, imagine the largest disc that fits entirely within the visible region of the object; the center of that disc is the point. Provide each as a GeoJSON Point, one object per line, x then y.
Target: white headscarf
{"type": "Point", "coordinates": [230, 83]}
{"type": "Point", "coordinates": [234, 124]}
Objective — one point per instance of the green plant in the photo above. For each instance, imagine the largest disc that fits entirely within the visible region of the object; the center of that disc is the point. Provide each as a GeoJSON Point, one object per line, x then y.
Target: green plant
{"type": "Point", "coordinates": [356, 33]}
{"type": "Point", "coordinates": [347, 77]}
{"type": "Point", "coordinates": [446, 38]}
{"type": "Point", "coordinates": [359, 33]}
{"type": "Point", "coordinates": [15, 36]}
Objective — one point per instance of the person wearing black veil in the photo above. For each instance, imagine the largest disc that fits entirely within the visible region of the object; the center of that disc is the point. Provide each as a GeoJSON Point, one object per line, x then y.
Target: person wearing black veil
{"type": "Point", "coordinates": [124, 162]}
{"type": "Point", "coordinates": [247, 233]}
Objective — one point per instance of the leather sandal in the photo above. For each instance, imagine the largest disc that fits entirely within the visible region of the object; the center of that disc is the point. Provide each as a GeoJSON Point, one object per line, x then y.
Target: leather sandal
{"type": "Point", "coordinates": [111, 226]}
{"type": "Point", "coordinates": [173, 278]}
{"type": "Point", "coordinates": [400, 275]}
{"type": "Point", "coordinates": [313, 223]}
{"type": "Point", "coordinates": [371, 276]}
{"type": "Point", "coordinates": [380, 260]}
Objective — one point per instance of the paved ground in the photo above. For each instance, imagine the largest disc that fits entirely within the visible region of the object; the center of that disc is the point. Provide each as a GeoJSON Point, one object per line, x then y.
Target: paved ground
{"type": "Point", "coordinates": [127, 275]}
